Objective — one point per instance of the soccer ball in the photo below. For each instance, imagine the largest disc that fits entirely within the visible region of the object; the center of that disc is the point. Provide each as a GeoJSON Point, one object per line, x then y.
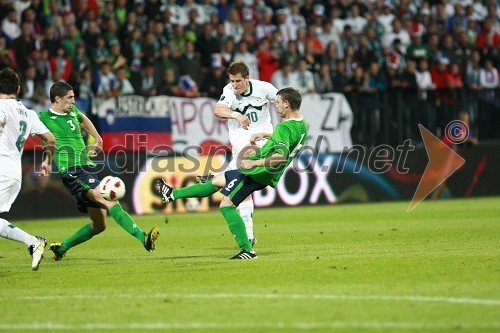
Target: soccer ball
{"type": "Point", "coordinates": [112, 188]}
{"type": "Point", "coordinates": [192, 205]}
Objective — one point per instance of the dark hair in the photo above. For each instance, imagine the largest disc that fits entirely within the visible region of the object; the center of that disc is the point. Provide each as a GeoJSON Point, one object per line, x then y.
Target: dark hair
{"type": "Point", "coordinates": [238, 67]}
{"type": "Point", "coordinates": [59, 89]}
{"type": "Point", "coordinates": [9, 81]}
{"type": "Point", "coordinates": [292, 96]}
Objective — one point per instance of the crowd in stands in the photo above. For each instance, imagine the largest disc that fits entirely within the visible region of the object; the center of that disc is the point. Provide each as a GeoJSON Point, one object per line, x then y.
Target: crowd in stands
{"type": "Point", "coordinates": [399, 62]}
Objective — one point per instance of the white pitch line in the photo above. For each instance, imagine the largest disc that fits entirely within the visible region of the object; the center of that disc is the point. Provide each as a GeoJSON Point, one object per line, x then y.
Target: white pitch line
{"type": "Point", "coordinates": [410, 298]}
{"type": "Point", "coordinates": [264, 325]}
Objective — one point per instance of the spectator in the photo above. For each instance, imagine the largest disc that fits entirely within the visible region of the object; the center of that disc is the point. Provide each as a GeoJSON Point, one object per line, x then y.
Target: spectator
{"type": "Point", "coordinates": [233, 26]}
{"type": "Point", "coordinates": [250, 59]}
{"type": "Point", "coordinates": [285, 76]}
{"type": "Point", "coordinates": [305, 78]}
{"type": "Point", "coordinates": [190, 63]}
{"type": "Point", "coordinates": [106, 81]}
{"type": "Point", "coordinates": [71, 41]}
{"type": "Point", "coordinates": [488, 108]}
{"type": "Point", "coordinates": [268, 61]}
{"type": "Point", "coordinates": [169, 85]}
{"type": "Point", "coordinates": [123, 85]}
{"type": "Point", "coordinates": [81, 60]}
{"type": "Point", "coordinates": [322, 80]}
{"type": "Point", "coordinates": [11, 29]}
{"type": "Point", "coordinates": [357, 22]}
{"type": "Point", "coordinates": [207, 44]}
{"type": "Point", "coordinates": [266, 27]}
{"type": "Point", "coordinates": [22, 46]}
{"type": "Point", "coordinates": [215, 80]}
{"type": "Point", "coordinates": [33, 93]}
{"type": "Point", "coordinates": [425, 101]}
{"type": "Point", "coordinates": [100, 54]}
{"type": "Point", "coordinates": [295, 20]}
{"type": "Point", "coordinates": [163, 63]}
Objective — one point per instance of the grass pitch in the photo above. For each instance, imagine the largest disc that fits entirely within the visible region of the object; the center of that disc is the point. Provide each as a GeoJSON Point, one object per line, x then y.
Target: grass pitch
{"type": "Point", "coordinates": [345, 268]}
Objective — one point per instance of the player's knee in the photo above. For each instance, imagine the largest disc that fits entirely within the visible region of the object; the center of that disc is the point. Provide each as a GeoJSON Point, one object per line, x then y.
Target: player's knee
{"type": "Point", "coordinates": [99, 226]}
{"type": "Point", "coordinates": [225, 202]}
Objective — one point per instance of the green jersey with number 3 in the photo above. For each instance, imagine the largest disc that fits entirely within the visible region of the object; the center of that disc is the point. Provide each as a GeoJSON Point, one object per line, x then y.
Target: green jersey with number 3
{"type": "Point", "coordinates": [287, 139]}
{"type": "Point", "coordinates": [70, 147]}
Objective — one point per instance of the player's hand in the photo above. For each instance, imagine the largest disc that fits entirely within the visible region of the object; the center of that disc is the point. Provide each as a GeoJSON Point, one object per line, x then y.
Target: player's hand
{"type": "Point", "coordinates": [97, 148]}
{"type": "Point", "coordinates": [247, 164]}
{"type": "Point", "coordinates": [256, 137]}
{"type": "Point", "coordinates": [46, 169]}
{"type": "Point", "coordinates": [243, 120]}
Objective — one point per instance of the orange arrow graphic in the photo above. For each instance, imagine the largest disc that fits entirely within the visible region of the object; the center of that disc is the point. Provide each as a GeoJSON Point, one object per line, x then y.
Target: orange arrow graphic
{"type": "Point", "coordinates": [443, 162]}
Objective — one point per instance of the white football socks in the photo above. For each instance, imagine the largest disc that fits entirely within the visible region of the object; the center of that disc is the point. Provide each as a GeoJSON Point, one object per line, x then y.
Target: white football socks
{"type": "Point", "coordinates": [9, 231]}
{"type": "Point", "coordinates": [246, 212]}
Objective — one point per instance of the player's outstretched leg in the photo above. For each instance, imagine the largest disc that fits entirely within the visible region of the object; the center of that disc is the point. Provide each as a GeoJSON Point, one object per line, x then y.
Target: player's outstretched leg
{"type": "Point", "coordinates": [169, 194]}
{"type": "Point", "coordinates": [204, 179]}
{"type": "Point", "coordinates": [35, 244]}
{"type": "Point", "coordinates": [84, 234]}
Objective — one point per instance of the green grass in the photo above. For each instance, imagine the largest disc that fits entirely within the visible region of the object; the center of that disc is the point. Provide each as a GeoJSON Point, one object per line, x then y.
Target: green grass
{"type": "Point", "coordinates": [348, 268]}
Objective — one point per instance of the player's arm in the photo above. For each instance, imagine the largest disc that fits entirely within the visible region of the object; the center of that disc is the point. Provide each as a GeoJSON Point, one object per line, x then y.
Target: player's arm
{"type": "Point", "coordinates": [259, 136]}
{"type": "Point", "coordinates": [223, 111]}
{"type": "Point", "coordinates": [50, 147]}
{"type": "Point", "coordinates": [90, 128]}
{"type": "Point", "coordinates": [270, 161]}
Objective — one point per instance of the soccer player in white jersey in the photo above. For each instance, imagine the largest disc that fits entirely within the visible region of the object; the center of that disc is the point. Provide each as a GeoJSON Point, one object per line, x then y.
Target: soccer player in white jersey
{"type": "Point", "coordinates": [245, 103]}
{"type": "Point", "coordinates": [16, 123]}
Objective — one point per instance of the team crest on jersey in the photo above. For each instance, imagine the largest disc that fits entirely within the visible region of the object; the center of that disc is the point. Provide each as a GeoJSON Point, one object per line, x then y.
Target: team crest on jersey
{"type": "Point", "coordinates": [91, 181]}
{"type": "Point", "coordinates": [72, 114]}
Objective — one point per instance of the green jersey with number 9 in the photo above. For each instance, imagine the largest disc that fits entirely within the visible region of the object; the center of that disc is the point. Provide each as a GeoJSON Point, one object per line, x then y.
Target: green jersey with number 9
{"type": "Point", "coordinates": [70, 147]}
{"type": "Point", "coordinates": [287, 139]}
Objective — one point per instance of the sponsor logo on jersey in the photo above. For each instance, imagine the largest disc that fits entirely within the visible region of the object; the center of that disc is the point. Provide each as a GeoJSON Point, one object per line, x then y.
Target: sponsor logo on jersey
{"type": "Point", "coordinates": [72, 114]}
{"type": "Point", "coordinates": [53, 117]}
{"type": "Point", "coordinates": [222, 98]}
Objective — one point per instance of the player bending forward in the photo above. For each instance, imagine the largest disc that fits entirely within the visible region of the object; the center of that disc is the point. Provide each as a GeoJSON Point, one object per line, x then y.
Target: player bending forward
{"type": "Point", "coordinates": [245, 103]}
{"type": "Point", "coordinates": [262, 168]}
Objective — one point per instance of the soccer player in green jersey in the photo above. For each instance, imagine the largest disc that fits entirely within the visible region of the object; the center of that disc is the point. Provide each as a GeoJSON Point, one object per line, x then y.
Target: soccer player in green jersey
{"type": "Point", "coordinates": [259, 169]}
{"type": "Point", "coordinates": [79, 173]}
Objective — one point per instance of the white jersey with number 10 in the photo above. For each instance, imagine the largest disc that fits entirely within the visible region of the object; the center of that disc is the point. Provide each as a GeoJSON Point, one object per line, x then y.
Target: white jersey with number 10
{"type": "Point", "coordinates": [255, 105]}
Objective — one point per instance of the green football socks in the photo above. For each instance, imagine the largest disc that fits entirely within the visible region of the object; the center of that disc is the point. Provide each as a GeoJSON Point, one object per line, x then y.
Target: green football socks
{"type": "Point", "coordinates": [82, 235]}
{"type": "Point", "coordinates": [195, 191]}
{"type": "Point", "coordinates": [126, 222]}
{"type": "Point", "coordinates": [237, 227]}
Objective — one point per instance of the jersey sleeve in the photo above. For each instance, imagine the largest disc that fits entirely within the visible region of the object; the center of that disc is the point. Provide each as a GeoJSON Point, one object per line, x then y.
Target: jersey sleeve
{"type": "Point", "coordinates": [281, 138]}
{"type": "Point", "coordinates": [271, 92]}
{"type": "Point", "coordinates": [227, 98]}
{"type": "Point", "coordinates": [37, 126]}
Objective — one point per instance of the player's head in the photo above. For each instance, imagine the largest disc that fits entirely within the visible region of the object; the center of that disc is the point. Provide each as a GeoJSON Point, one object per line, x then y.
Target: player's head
{"type": "Point", "coordinates": [289, 97]}
{"type": "Point", "coordinates": [62, 96]}
{"type": "Point", "coordinates": [9, 82]}
{"type": "Point", "coordinates": [239, 76]}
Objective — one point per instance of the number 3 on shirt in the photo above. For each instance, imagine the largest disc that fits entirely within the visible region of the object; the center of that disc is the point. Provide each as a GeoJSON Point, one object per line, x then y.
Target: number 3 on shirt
{"type": "Point", "coordinates": [71, 125]}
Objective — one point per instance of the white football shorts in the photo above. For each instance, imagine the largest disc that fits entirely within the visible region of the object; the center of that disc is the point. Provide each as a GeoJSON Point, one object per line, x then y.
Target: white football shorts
{"type": "Point", "coordinates": [9, 189]}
